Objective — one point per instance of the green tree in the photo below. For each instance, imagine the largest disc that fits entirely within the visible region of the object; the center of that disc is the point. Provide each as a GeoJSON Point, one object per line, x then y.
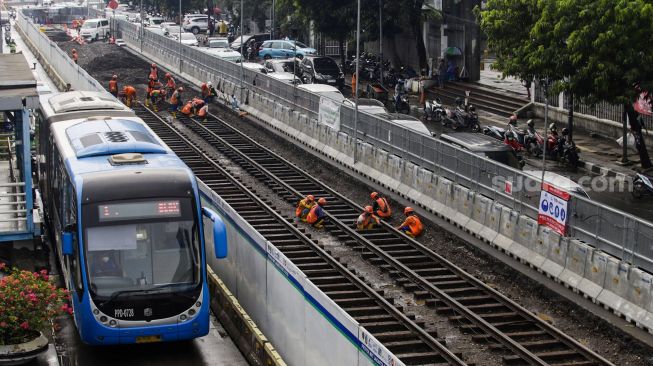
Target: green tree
{"type": "Point", "coordinates": [596, 50]}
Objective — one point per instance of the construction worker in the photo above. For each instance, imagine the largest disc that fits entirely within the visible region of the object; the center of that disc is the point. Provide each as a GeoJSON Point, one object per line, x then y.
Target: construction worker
{"type": "Point", "coordinates": [380, 205]}
{"type": "Point", "coordinates": [154, 72]}
{"type": "Point", "coordinates": [197, 104]}
{"type": "Point", "coordinates": [129, 93]}
{"type": "Point", "coordinates": [412, 226]}
{"type": "Point", "coordinates": [367, 220]}
{"type": "Point", "coordinates": [74, 55]}
{"type": "Point", "coordinates": [187, 109]}
{"type": "Point", "coordinates": [208, 92]}
{"type": "Point", "coordinates": [304, 206]}
{"type": "Point", "coordinates": [156, 95]}
{"type": "Point", "coordinates": [353, 83]}
{"type": "Point", "coordinates": [113, 86]}
{"type": "Point", "coordinates": [316, 215]}
{"type": "Point", "coordinates": [203, 112]}
{"type": "Point", "coordinates": [175, 101]}
{"type": "Point", "coordinates": [151, 85]}
{"type": "Point", "coordinates": [170, 83]}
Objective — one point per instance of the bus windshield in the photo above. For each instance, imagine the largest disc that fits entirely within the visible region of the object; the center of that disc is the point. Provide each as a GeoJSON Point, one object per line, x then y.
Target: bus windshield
{"type": "Point", "coordinates": [141, 247]}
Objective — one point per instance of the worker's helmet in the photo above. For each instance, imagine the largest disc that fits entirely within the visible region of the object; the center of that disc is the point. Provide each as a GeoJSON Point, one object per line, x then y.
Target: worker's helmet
{"type": "Point", "coordinates": [321, 201]}
{"type": "Point", "coordinates": [408, 210]}
{"type": "Point", "coordinates": [310, 197]}
{"type": "Point", "coordinates": [180, 89]}
{"type": "Point", "coordinates": [74, 50]}
{"type": "Point", "coordinates": [154, 65]}
{"type": "Point", "coordinates": [459, 101]}
{"type": "Point", "coordinates": [565, 131]}
{"type": "Point", "coordinates": [168, 75]}
{"type": "Point", "coordinates": [374, 195]}
{"type": "Point", "coordinates": [553, 127]}
{"type": "Point", "coordinates": [513, 120]}
{"type": "Point", "coordinates": [530, 123]}
{"type": "Point", "coordinates": [369, 209]}
{"type": "Point", "coordinates": [209, 84]}
{"type": "Point", "coordinates": [114, 77]}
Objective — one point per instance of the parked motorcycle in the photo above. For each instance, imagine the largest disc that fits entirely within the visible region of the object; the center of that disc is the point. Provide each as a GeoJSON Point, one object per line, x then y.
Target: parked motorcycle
{"type": "Point", "coordinates": [534, 142]}
{"type": "Point", "coordinates": [642, 186]}
{"type": "Point", "coordinates": [433, 110]}
{"type": "Point", "coordinates": [462, 117]}
{"type": "Point", "coordinates": [562, 149]}
{"type": "Point", "coordinates": [401, 104]}
{"type": "Point", "coordinates": [494, 131]}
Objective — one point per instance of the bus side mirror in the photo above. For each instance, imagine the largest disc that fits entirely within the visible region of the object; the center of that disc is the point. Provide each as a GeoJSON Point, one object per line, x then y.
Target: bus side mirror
{"type": "Point", "coordinates": [219, 233]}
{"type": "Point", "coordinates": [67, 243]}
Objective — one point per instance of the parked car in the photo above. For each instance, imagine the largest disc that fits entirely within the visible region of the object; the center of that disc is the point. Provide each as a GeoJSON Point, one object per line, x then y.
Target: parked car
{"type": "Point", "coordinates": [258, 39]}
{"type": "Point", "coordinates": [187, 39]}
{"type": "Point", "coordinates": [367, 105]}
{"type": "Point", "coordinates": [281, 65]}
{"type": "Point", "coordinates": [153, 20]}
{"type": "Point", "coordinates": [219, 47]}
{"type": "Point", "coordinates": [166, 25]}
{"type": "Point", "coordinates": [407, 121]}
{"type": "Point", "coordinates": [194, 16]}
{"type": "Point", "coordinates": [321, 70]}
{"type": "Point", "coordinates": [284, 49]}
{"type": "Point", "coordinates": [95, 29]}
{"type": "Point", "coordinates": [286, 77]}
{"type": "Point", "coordinates": [559, 181]}
{"type": "Point", "coordinates": [483, 145]}
{"type": "Point", "coordinates": [324, 90]}
{"type": "Point", "coordinates": [196, 25]}
{"type": "Point", "coordinates": [218, 42]}
{"type": "Point", "coordinates": [254, 66]}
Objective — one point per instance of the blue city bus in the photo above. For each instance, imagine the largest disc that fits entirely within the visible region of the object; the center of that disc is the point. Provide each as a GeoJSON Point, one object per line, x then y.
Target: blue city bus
{"type": "Point", "coordinates": [126, 217]}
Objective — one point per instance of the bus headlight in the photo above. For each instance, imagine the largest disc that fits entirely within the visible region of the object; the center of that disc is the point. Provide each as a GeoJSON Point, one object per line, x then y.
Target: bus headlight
{"type": "Point", "coordinates": [103, 319]}
{"type": "Point", "coordinates": [191, 312]}
{"type": "Point", "coordinates": [182, 317]}
{"type": "Point", "coordinates": [113, 323]}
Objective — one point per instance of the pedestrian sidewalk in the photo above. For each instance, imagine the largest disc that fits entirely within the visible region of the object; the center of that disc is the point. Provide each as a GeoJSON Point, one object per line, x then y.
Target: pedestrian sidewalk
{"type": "Point", "coordinates": [598, 155]}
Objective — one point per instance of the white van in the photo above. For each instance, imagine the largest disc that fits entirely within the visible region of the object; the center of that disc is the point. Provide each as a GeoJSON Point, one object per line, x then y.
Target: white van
{"type": "Point", "coordinates": [94, 29]}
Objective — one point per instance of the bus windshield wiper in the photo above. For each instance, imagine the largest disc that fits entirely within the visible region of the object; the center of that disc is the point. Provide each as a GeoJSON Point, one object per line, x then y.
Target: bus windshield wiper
{"type": "Point", "coordinates": [117, 294]}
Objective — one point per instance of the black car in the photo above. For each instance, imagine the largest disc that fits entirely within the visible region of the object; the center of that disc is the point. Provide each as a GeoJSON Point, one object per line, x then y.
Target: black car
{"type": "Point", "coordinates": [254, 41]}
{"type": "Point", "coordinates": [321, 70]}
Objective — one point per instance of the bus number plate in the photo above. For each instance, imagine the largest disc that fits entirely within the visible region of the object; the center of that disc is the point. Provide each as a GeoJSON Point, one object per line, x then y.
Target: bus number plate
{"type": "Point", "coordinates": [148, 339]}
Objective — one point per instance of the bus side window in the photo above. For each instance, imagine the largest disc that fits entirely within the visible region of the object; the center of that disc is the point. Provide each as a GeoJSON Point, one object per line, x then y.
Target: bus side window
{"type": "Point", "coordinates": [75, 266]}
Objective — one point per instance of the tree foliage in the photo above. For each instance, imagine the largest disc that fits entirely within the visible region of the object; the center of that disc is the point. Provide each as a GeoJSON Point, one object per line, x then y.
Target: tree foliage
{"type": "Point", "coordinates": [596, 49]}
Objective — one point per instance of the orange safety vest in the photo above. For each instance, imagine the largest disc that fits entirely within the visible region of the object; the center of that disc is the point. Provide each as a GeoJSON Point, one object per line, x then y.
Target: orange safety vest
{"type": "Point", "coordinates": [205, 90]}
{"type": "Point", "coordinates": [154, 72]}
{"type": "Point", "coordinates": [187, 108]}
{"type": "Point", "coordinates": [414, 225]}
{"type": "Point", "coordinates": [129, 91]}
{"type": "Point", "coordinates": [171, 83]}
{"type": "Point", "coordinates": [302, 205]}
{"type": "Point", "coordinates": [383, 208]}
{"type": "Point", "coordinates": [365, 219]}
{"type": "Point", "coordinates": [313, 214]}
{"type": "Point", "coordinates": [174, 99]}
{"type": "Point", "coordinates": [113, 85]}
{"type": "Point", "coordinates": [203, 111]}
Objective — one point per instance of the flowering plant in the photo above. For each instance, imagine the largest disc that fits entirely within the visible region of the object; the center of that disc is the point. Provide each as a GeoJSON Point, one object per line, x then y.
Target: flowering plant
{"type": "Point", "coordinates": [28, 300]}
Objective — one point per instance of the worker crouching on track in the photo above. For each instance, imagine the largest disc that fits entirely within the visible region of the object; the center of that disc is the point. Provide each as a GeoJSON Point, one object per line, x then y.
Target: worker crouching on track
{"type": "Point", "coordinates": [113, 86]}
{"type": "Point", "coordinates": [380, 205]}
{"type": "Point", "coordinates": [316, 215]}
{"type": "Point", "coordinates": [156, 96]}
{"type": "Point", "coordinates": [367, 220]}
{"type": "Point", "coordinates": [208, 92]}
{"type": "Point", "coordinates": [412, 226]}
{"type": "Point", "coordinates": [129, 95]}
{"type": "Point", "coordinates": [192, 107]}
{"type": "Point", "coordinates": [175, 101]}
{"type": "Point", "coordinates": [304, 207]}
{"type": "Point", "coordinates": [203, 112]}
{"type": "Point", "coordinates": [171, 86]}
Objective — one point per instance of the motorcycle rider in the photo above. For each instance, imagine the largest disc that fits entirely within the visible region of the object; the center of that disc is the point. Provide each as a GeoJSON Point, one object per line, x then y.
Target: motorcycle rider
{"type": "Point", "coordinates": [511, 132]}
{"type": "Point", "coordinates": [399, 91]}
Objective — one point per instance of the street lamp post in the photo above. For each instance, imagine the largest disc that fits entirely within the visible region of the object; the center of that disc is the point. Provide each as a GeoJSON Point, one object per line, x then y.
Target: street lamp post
{"type": "Point", "coordinates": [180, 24]}
{"type": "Point", "coordinates": [142, 33]}
{"type": "Point", "coordinates": [274, 14]}
{"type": "Point", "coordinates": [380, 42]}
{"type": "Point", "coordinates": [358, 41]}
{"type": "Point", "coordinates": [242, 54]}
{"type": "Point", "coordinates": [546, 126]}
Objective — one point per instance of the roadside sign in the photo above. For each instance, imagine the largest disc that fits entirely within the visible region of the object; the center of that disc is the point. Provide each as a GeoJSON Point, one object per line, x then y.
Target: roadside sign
{"type": "Point", "coordinates": [553, 210]}
{"type": "Point", "coordinates": [508, 187]}
{"type": "Point", "coordinates": [329, 113]}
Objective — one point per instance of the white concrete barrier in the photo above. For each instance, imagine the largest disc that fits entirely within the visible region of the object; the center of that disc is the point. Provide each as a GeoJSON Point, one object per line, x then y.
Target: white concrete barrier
{"type": "Point", "coordinates": [523, 239]}
{"type": "Point", "coordinates": [595, 276]}
{"type": "Point", "coordinates": [490, 230]}
{"type": "Point", "coordinates": [507, 227]}
{"type": "Point", "coordinates": [463, 202]}
{"type": "Point", "coordinates": [555, 258]}
{"type": "Point", "coordinates": [443, 196]}
{"type": "Point", "coordinates": [575, 264]}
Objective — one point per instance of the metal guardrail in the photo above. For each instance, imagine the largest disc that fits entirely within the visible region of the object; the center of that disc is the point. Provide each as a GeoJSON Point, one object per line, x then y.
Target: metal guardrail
{"type": "Point", "coordinates": [608, 229]}
{"type": "Point", "coordinates": [69, 71]}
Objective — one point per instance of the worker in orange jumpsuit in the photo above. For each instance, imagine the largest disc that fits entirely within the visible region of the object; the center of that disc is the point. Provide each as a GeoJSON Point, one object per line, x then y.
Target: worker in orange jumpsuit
{"type": "Point", "coordinates": [412, 226]}
{"type": "Point", "coordinates": [151, 85]}
{"type": "Point", "coordinates": [154, 72]}
{"type": "Point", "coordinates": [353, 84]}
{"type": "Point", "coordinates": [304, 206]}
{"type": "Point", "coordinates": [156, 96]}
{"type": "Point", "coordinates": [129, 93]}
{"type": "Point", "coordinates": [203, 112]}
{"type": "Point", "coordinates": [74, 55]}
{"type": "Point", "coordinates": [171, 86]}
{"type": "Point", "coordinates": [367, 220]}
{"type": "Point", "coordinates": [208, 93]}
{"type": "Point", "coordinates": [113, 86]}
{"type": "Point", "coordinates": [175, 101]}
{"type": "Point", "coordinates": [380, 205]}
{"type": "Point", "coordinates": [317, 215]}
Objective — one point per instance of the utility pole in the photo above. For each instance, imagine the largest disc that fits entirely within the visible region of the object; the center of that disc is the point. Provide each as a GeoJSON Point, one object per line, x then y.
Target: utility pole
{"type": "Point", "coordinates": [181, 20]}
{"type": "Point", "coordinates": [142, 30]}
{"type": "Point", "coordinates": [242, 54]}
{"type": "Point", "coordinates": [274, 14]}
{"type": "Point", "coordinates": [358, 44]}
{"type": "Point", "coordinates": [380, 43]}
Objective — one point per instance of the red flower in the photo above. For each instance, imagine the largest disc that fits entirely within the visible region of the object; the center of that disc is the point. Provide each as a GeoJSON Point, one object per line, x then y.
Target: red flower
{"type": "Point", "coordinates": [66, 308]}
{"type": "Point", "coordinates": [24, 325]}
{"type": "Point", "coordinates": [3, 324]}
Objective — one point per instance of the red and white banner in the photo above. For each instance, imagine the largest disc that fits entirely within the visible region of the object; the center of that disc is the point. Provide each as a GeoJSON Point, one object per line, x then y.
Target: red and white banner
{"type": "Point", "coordinates": [553, 211]}
{"type": "Point", "coordinates": [643, 104]}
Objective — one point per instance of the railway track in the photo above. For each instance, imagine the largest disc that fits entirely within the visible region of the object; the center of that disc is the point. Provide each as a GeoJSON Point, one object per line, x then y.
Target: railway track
{"type": "Point", "coordinates": [479, 309]}
{"type": "Point", "coordinates": [399, 332]}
